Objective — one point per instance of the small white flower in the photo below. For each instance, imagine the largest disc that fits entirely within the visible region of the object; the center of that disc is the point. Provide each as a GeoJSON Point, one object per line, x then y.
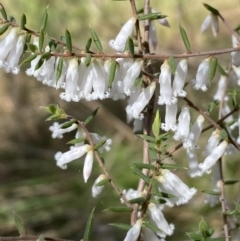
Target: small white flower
{"type": "Point", "coordinates": [180, 78]}
{"type": "Point", "coordinates": [131, 194]}
{"type": "Point", "coordinates": [170, 118]}
{"type": "Point", "coordinates": [58, 131]}
{"type": "Point", "coordinates": [225, 110]}
{"type": "Point", "coordinates": [134, 232]}
{"type": "Point", "coordinates": [212, 158]}
{"type": "Point", "coordinates": [211, 19]}
{"type": "Point", "coordinates": [158, 218]}
{"type": "Point", "coordinates": [202, 76]}
{"type": "Point", "coordinates": [96, 190]}
{"type": "Point", "coordinates": [87, 167]}
{"type": "Point", "coordinates": [237, 72]}
{"type": "Point", "coordinates": [126, 31]}
{"type": "Point", "coordinates": [235, 55]}
{"type": "Point", "coordinates": [222, 85]}
{"type": "Point", "coordinates": [194, 170]}
{"type": "Point", "coordinates": [172, 184]}
{"type": "Point", "coordinates": [213, 141]}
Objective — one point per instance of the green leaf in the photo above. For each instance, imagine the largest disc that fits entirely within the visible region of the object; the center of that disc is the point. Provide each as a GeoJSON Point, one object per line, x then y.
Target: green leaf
{"type": "Point", "coordinates": [19, 224]}
{"type": "Point", "coordinates": [119, 209]}
{"type": "Point", "coordinates": [88, 45]}
{"type": "Point", "coordinates": [172, 63]}
{"type": "Point", "coordinates": [195, 236]}
{"type": "Point", "coordinates": [88, 60]}
{"type": "Point", "coordinates": [68, 41]}
{"type": "Point", "coordinates": [139, 11]}
{"type": "Point", "coordinates": [210, 192]}
{"type": "Point", "coordinates": [41, 40]}
{"type": "Point", "coordinates": [68, 124]}
{"type": "Point", "coordinates": [230, 182]}
{"type": "Point", "coordinates": [59, 69]}
{"type": "Point", "coordinates": [4, 28]}
{"type": "Point", "coordinates": [221, 70]}
{"type": "Point", "coordinates": [32, 47]}
{"type": "Point", "coordinates": [148, 138]}
{"type": "Point", "coordinates": [28, 59]}
{"type": "Point", "coordinates": [211, 9]}
{"type": "Point", "coordinates": [44, 20]}
{"type": "Point", "coordinates": [171, 166]}
{"type": "Point", "coordinates": [144, 166]}
{"type": "Point", "coordinates": [39, 64]}
{"type": "Point", "coordinates": [12, 19]}
{"type": "Point", "coordinates": [102, 182]}
{"type": "Point", "coordinates": [96, 40]}
{"type": "Point", "coordinates": [224, 134]}
{"type": "Point", "coordinates": [139, 200]}
{"type": "Point", "coordinates": [138, 79]}
{"type": "Point", "coordinates": [185, 38]}
{"type": "Point", "coordinates": [129, 47]}
{"type": "Point", "coordinates": [213, 67]}
{"type": "Point", "coordinates": [156, 125]}
{"type": "Point", "coordinates": [234, 98]}
{"type": "Point", "coordinates": [151, 226]}
{"type": "Point", "coordinates": [3, 11]}
{"type": "Point", "coordinates": [76, 141]}
{"type": "Point", "coordinates": [112, 73]}
{"type": "Point", "coordinates": [41, 238]}
{"type": "Point", "coordinates": [212, 105]}
{"type": "Point", "coordinates": [46, 55]}
{"type": "Point", "coordinates": [203, 227]}
{"type": "Point", "coordinates": [140, 174]}
{"type": "Point", "coordinates": [122, 226]}
{"type": "Point", "coordinates": [151, 16]}
{"type": "Point", "coordinates": [99, 144]}
{"type": "Point", "coordinates": [23, 21]}
{"type": "Point", "coordinates": [88, 228]}
{"type": "Point", "coordinates": [91, 117]}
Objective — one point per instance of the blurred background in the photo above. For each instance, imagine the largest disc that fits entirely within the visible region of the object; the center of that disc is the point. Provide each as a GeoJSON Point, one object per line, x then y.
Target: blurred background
{"type": "Point", "coordinates": [56, 202]}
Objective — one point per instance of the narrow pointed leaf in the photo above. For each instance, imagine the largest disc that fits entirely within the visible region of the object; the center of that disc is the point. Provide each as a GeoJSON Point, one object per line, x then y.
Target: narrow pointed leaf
{"type": "Point", "coordinates": [4, 28]}
{"type": "Point", "coordinates": [3, 11]}
{"type": "Point", "coordinates": [144, 166]}
{"type": "Point", "coordinates": [129, 47]}
{"type": "Point", "coordinates": [102, 182]}
{"type": "Point", "coordinates": [68, 124]}
{"type": "Point", "coordinates": [88, 45]}
{"type": "Point", "coordinates": [221, 70]}
{"type": "Point", "coordinates": [140, 174]}
{"type": "Point", "coordinates": [156, 125]}
{"type": "Point", "coordinates": [172, 63]}
{"type": "Point", "coordinates": [231, 182]}
{"type": "Point", "coordinates": [171, 166]}
{"type": "Point", "coordinates": [88, 59]}
{"type": "Point", "coordinates": [185, 38]}
{"type": "Point", "coordinates": [76, 141]}
{"type": "Point", "coordinates": [89, 225]}
{"type": "Point", "coordinates": [112, 73]}
{"type": "Point", "coordinates": [23, 21]}
{"type": "Point", "coordinates": [44, 20]}
{"type": "Point", "coordinates": [211, 9]}
{"type": "Point", "coordinates": [213, 67]}
{"type": "Point", "coordinates": [39, 64]}
{"type": "Point", "coordinates": [211, 192]}
{"type": "Point", "coordinates": [29, 59]}
{"type": "Point", "coordinates": [151, 226]}
{"type": "Point", "coordinates": [59, 69]}
{"type": "Point", "coordinates": [148, 138]}
{"type": "Point", "coordinates": [122, 226]}
{"type": "Point", "coordinates": [32, 47]}
{"type": "Point", "coordinates": [99, 144]}
{"type": "Point", "coordinates": [234, 98]}
{"type": "Point", "coordinates": [19, 224]}
{"type": "Point", "coordinates": [96, 40]}
{"type": "Point", "coordinates": [41, 41]}
{"type": "Point", "coordinates": [119, 209]}
{"type": "Point", "coordinates": [151, 16]}
{"type": "Point", "coordinates": [90, 118]}
{"type": "Point", "coordinates": [203, 227]}
{"type": "Point", "coordinates": [68, 41]}
{"type": "Point", "coordinates": [138, 200]}
{"type": "Point", "coordinates": [46, 55]}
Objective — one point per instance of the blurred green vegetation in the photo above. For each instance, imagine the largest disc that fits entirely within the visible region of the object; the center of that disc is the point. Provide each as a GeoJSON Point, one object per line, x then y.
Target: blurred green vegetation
{"type": "Point", "coordinates": [56, 202]}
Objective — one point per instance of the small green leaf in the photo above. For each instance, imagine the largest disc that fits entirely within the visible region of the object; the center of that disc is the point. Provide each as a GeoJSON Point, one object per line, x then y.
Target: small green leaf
{"type": "Point", "coordinates": [144, 166]}
{"type": "Point", "coordinates": [156, 125]}
{"type": "Point", "coordinates": [112, 73]}
{"type": "Point", "coordinates": [221, 70]}
{"type": "Point", "coordinates": [68, 124]}
{"type": "Point", "coordinates": [119, 209]}
{"type": "Point", "coordinates": [99, 144]}
{"type": "Point", "coordinates": [224, 134]}
{"type": "Point", "coordinates": [102, 182]}
{"type": "Point", "coordinates": [122, 226]}
{"type": "Point", "coordinates": [172, 63]}
{"type": "Point", "coordinates": [138, 80]}
{"type": "Point", "coordinates": [23, 21]}
{"type": "Point", "coordinates": [210, 192]}
{"type": "Point", "coordinates": [28, 59]}
{"type": "Point", "coordinates": [41, 40]}
{"type": "Point", "coordinates": [185, 38]}
{"type": "Point", "coordinates": [39, 64]}
{"type": "Point", "coordinates": [139, 200]}
{"type": "Point", "coordinates": [32, 47]}
{"type": "Point", "coordinates": [89, 225]}
{"type": "Point", "coordinates": [4, 28]}
{"type": "Point", "coordinates": [3, 11]}
{"type": "Point", "coordinates": [203, 227]}
{"type": "Point", "coordinates": [151, 226]}
{"type": "Point", "coordinates": [46, 55]}
{"type": "Point", "coordinates": [211, 9]}
{"type": "Point", "coordinates": [90, 118]}
{"type": "Point", "coordinates": [19, 224]}
{"type": "Point", "coordinates": [171, 166]}
{"type": "Point", "coordinates": [140, 174]}
{"type": "Point", "coordinates": [88, 60]}
{"type": "Point", "coordinates": [44, 20]}
{"type": "Point", "coordinates": [129, 47]}
{"type": "Point", "coordinates": [195, 236]}
{"type": "Point", "coordinates": [212, 105]}
{"type": "Point", "coordinates": [148, 138]}
{"type": "Point", "coordinates": [76, 141]}
{"type": "Point", "coordinates": [230, 182]}
{"type": "Point", "coordinates": [12, 19]}
{"type": "Point", "coordinates": [213, 67]}
{"type": "Point", "coordinates": [68, 41]}
{"type": "Point", "coordinates": [139, 11]}
{"type": "Point", "coordinates": [96, 40]}
{"type": "Point", "coordinates": [88, 45]}
{"type": "Point", "coordinates": [151, 16]}
{"type": "Point", "coordinates": [59, 69]}
{"type": "Point", "coordinates": [234, 98]}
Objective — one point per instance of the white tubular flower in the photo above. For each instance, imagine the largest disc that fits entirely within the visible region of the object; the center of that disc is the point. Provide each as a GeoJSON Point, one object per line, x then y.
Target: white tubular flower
{"type": "Point", "coordinates": [235, 55]}
{"type": "Point", "coordinates": [212, 158]}
{"type": "Point", "coordinates": [58, 131]}
{"type": "Point", "coordinates": [222, 85]}
{"type": "Point", "coordinates": [180, 78]}
{"type": "Point", "coordinates": [170, 118]}
{"type": "Point", "coordinates": [134, 231]}
{"type": "Point", "coordinates": [87, 84]}
{"type": "Point", "coordinates": [143, 99]}
{"type": "Point", "coordinates": [165, 85]}
{"type": "Point", "coordinates": [88, 163]}
{"type": "Point", "coordinates": [172, 184]}
{"type": "Point", "coordinates": [96, 190]}
{"type": "Point", "coordinates": [213, 141]}
{"type": "Point", "coordinates": [131, 194]}
{"type": "Point", "coordinates": [196, 129]}
{"type": "Point", "coordinates": [225, 110]}
{"type": "Point", "coordinates": [47, 71]}
{"type": "Point", "coordinates": [73, 154]}
{"type": "Point", "coordinates": [12, 60]}
{"type": "Point", "coordinates": [126, 31]}
{"type": "Point", "coordinates": [97, 138]}
{"type": "Point", "coordinates": [183, 125]}
{"type": "Point", "coordinates": [211, 19]}
{"type": "Point", "coordinates": [237, 72]}
{"type": "Point", "coordinates": [158, 218]}
{"type": "Point", "coordinates": [132, 73]}
{"type": "Point", "coordinates": [71, 90]}
{"type": "Point", "coordinates": [202, 76]}
{"type": "Point", "coordinates": [194, 170]}
{"type": "Point", "coordinates": [153, 35]}
{"type": "Point", "coordinates": [148, 234]}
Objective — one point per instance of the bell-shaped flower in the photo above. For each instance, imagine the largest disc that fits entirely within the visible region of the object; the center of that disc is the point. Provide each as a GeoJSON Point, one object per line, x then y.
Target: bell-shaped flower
{"type": "Point", "coordinates": [88, 163]}
{"type": "Point", "coordinates": [183, 126]}
{"type": "Point", "coordinates": [180, 78]}
{"type": "Point", "coordinates": [211, 19]}
{"type": "Point", "coordinates": [96, 190]}
{"type": "Point", "coordinates": [165, 85]}
{"type": "Point", "coordinates": [213, 141]}
{"type": "Point", "coordinates": [172, 184]}
{"type": "Point", "coordinates": [237, 72]}
{"type": "Point", "coordinates": [143, 99]}
{"type": "Point", "coordinates": [58, 130]}
{"type": "Point", "coordinates": [192, 158]}
{"type": "Point", "coordinates": [71, 155]}
{"type": "Point", "coordinates": [235, 55]}
{"type": "Point", "coordinates": [212, 158]}
{"type": "Point", "coordinates": [202, 76]}
{"type": "Point", "coordinates": [126, 31]}
{"type": "Point", "coordinates": [170, 118]}
{"type": "Point", "coordinates": [222, 85]}
{"type": "Point", "coordinates": [196, 129]}
{"type": "Point", "coordinates": [134, 232]}
{"type": "Point", "coordinates": [159, 220]}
